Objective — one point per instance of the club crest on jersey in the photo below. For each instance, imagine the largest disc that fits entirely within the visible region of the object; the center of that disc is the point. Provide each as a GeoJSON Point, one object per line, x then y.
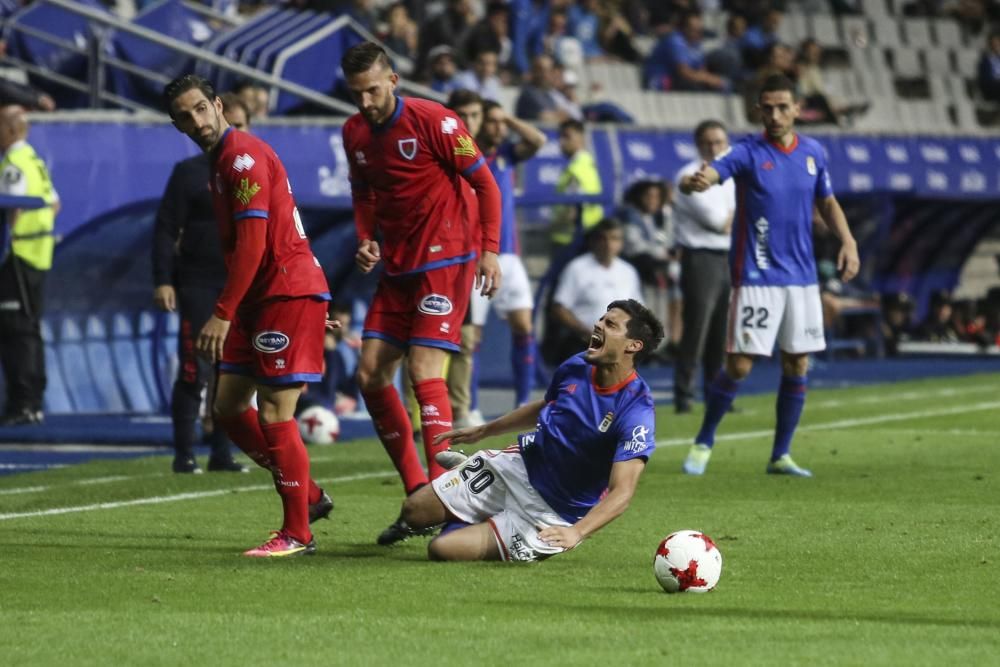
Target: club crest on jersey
{"type": "Point", "coordinates": [606, 422]}
{"type": "Point", "coordinates": [408, 148]}
{"type": "Point", "coordinates": [466, 147]}
{"type": "Point", "coordinates": [435, 304]}
{"type": "Point", "coordinates": [243, 163]}
{"type": "Point", "coordinates": [270, 342]}
{"type": "Point", "coordinates": [246, 191]}
{"type": "Point", "coordinates": [811, 165]}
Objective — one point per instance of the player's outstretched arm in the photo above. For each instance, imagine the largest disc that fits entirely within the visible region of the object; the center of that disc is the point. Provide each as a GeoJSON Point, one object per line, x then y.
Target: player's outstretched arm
{"type": "Point", "coordinates": [621, 488]}
{"type": "Point", "coordinates": [518, 420]}
{"type": "Point", "coordinates": [848, 261]}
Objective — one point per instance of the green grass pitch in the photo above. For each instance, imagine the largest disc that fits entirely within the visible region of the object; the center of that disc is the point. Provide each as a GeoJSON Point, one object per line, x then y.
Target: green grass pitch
{"type": "Point", "coordinates": [889, 556]}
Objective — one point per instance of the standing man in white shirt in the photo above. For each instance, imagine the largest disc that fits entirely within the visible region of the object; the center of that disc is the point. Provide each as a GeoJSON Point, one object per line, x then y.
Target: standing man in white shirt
{"type": "Point", "coordinates": [592, 281]}
{"type": "Point", "coordinates": [703, 221]}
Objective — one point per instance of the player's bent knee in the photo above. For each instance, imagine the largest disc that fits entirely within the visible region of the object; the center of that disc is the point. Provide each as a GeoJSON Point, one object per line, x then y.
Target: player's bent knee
{"type": "Point", "coordinates": [423, 508]}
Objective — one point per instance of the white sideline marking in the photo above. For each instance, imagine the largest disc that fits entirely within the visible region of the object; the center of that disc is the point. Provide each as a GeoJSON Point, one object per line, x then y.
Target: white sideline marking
{"type": "Point", "coordinates": [948, 392]}
{"type": "Point", "coordinates": [31, 466]}
{"type": "Point", "coordinates": [93, 481]}
{"type": "Point", "coordinates": [77, 448]}
{"type": "Point", "coordinates": [159, 500]}
{"type": "Point", "coordinates": [844, 423]}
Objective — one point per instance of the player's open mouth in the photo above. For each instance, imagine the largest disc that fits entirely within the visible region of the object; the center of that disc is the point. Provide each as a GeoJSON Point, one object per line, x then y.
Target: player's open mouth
{"type": "Point", "coordinates": [596, 341]}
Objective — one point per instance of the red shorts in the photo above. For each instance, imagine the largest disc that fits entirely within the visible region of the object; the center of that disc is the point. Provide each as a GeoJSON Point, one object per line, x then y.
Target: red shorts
{"type": "Point", "coordinates": [279, 342]}
{"type": "Point", "coordinates": [425, 308]}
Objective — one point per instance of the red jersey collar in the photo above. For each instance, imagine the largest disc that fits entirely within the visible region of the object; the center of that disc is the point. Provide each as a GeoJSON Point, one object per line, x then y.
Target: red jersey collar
{"type": "Point", "coordinates": [784, 149]}
{"type": "Point", "coordinates": [613, 389]}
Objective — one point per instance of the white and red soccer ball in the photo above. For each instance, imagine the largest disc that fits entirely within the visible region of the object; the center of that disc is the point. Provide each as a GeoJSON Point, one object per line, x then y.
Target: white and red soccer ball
{"type": "Point", "coordinates": [687, 561]}
{"type": "Point", "coordinates": [319, 426]}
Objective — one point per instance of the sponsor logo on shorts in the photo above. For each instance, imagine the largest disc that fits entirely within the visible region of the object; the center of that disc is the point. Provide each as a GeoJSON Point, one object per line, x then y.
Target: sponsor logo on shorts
{"type": "Point", "coordinates": [279, 364]}
{"type": "Point", "coordinates": [435, 304]}
{"type": "Point", "coordinates": [449, 485]}
{"type": "Point", "coordinates": [270, 342]}
{"type": "Point", "coordinates": [518, 549]}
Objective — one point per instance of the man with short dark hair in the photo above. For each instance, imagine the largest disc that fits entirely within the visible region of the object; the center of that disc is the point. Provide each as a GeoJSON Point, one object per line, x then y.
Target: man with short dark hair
{"type": "Point", "coordinates": [412, 162]}
{"type": "Point", "coordinates": [780, 177]}
{"type": "Point", "coordinates": [267, 328]}
{"type": "Point", "coordinates": [575, 465]}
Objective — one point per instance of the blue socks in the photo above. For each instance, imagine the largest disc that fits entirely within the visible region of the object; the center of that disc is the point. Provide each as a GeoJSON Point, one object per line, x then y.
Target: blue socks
{"type": "Point", "coordinates": [719, 399]}
{"type": "Point", "coordinates": [791, 399]}
{"type": "Point", "coordinates": [522, 360]}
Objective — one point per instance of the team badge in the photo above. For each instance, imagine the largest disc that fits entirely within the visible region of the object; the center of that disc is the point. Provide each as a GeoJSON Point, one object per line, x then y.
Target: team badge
{"type": "Point", "coordinates": [246, 191]}
{"type": "Point", "coordinates": [811, 166]}
{"type": "Point", "coordinates": [466, 147]}
{"type": "Point", "coordinates": [270, 342]}
{"type": "Point", "coordinates": [606, 422]}
{"type": "Point", "coordinates": [408, 148]}
{"type": "Point", "coordinates": [243, 163]}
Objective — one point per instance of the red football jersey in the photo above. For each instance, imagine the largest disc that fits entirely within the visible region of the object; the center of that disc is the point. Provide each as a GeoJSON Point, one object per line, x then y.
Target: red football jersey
{"type": "Point", "coordinates": [414, 169]}
{"type": "Point", "coordinates": [249, 181]}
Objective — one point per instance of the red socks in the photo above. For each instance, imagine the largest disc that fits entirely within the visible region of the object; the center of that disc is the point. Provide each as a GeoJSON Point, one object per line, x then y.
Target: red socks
{"type": "Point", "coordinates": [394, 429]}
{"type": "Point", "coordinates": [435, 418]}
{"type": "Point", "coordinates": [245, 430]}
{"type": "Point", "coordinates": [291, 476]}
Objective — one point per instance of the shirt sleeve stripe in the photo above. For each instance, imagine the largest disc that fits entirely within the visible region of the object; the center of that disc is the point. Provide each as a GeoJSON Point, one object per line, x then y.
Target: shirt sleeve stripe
{"type": "Point", "coordinates": [474, 166]}
{"type": "Point", "coordinates": [250, 213]}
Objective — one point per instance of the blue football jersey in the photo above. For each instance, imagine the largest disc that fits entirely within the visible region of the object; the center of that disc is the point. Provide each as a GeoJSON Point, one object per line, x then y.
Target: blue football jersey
{"type": "Point", "coordinates": [502, 162]}
{"type": "Point", "coordinates": [775, 191]}
{"type": "Point", "coordinates": [582, 431]}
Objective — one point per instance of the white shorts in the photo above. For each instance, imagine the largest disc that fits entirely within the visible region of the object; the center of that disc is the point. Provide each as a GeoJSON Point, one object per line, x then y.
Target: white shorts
{"type": "Point", "coordinates": [514, 293]}
{"type": "Point", "coordinates": [493, 486]}
{"type": "Point", "coordinates": [759, 315]}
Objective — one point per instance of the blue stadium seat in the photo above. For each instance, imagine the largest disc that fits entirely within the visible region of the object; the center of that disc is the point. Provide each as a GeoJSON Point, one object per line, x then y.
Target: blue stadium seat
{"type": "Point", "coordinates": [76, 371]}
{"type": "Point", "coordinates": [128, 365]}
{"type": "Point", "coordinates": [57, 398]}
{"type": "Point", "coordinates": [102, 366]}
{"type": "Point", "coordinates": [273, 24]}
{"type": "Point", "coordinates": [221, 41]}
{"type": "Point", "coordinates": [307, 63]}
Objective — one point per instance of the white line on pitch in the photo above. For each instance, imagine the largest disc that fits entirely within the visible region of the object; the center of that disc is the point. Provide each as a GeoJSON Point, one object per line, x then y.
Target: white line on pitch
{"type": "Point", "coordinates": [915, 395]}
{"type": "Point", "coordinates": [159, 500]}
{"type": "Point", "coordinates": [844, 423]}
{"type": "Point", "coordinates": [90, 481]}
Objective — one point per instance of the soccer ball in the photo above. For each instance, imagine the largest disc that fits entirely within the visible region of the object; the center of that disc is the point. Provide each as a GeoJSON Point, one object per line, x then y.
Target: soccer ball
{"type": "Point", "coordinates": [319, 426]}
{"type": "Point", "coordinates": [687, 561]}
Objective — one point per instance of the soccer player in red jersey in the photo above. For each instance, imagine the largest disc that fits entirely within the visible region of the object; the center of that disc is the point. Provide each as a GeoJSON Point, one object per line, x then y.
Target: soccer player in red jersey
{"type": "Point", "coordinates": [268, 326]}
{"type": "Point", "coordinates": [412, 162]}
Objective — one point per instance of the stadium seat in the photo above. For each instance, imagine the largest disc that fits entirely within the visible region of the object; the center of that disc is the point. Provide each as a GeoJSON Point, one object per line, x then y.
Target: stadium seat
{"type": "Point", "coordinates": [918, 33]}
{"type": "Point", "coordinates": [949, 34]}
{"type": "Point", "coordinates": [823, 28]}
{"type": "Point", "coordinates": [80, 384]}
{"type": "Point", "coordinates": [128, 365]}
{"type": "Point", "coordinates": [793, 29]}
{"type": "Point", "coordinates": [855, 31]}
{"type": "Point", "coordinates": [938, 62]}
{"type": "Point", "coordinates": [57, 398]}
{"type": "Point", "coordinates": [102, 366]}
{"type": "Point", "coordinates": [885, 30]}
{"type": "Point", "coordinates": [906, 63]}
{"type": "Point", "coordinates": [967, 62]}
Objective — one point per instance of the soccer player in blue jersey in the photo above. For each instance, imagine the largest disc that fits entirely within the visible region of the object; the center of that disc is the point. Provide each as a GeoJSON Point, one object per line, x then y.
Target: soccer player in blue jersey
{"type": "Point", "coordinates": [780, 176]}
{"type": "Point", "coordinates": [571, 475]}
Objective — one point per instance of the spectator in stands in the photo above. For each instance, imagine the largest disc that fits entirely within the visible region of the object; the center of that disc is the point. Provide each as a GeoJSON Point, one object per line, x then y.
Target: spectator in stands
{"type": "Point", "coordinates": [579, 177]}
{"type": "Point", "coordinates": [568, 84]}
{"type": "Point", "coordinates": [23, 271]}
{"type": "Point", "coordinates": [19, 94]}
{"type": "Point", "coordinates": [989, 69]}
{"type": "Point", "coordinates": [482, 78]}
{"type": "Point", "coordinates": [401, 31]}
{"type": "Point", "coordinates": [255, 97]}
{"type": "Point", "coordinates": [727, 61]}
{"type": "Point", "coordinates": [937, 326]}
{"type": "Point", "coordinates": [817, 105]}
{"type": "Point", "coordinates": [678, 62]}
{"type": "Point", "coordinates": [758, 38]}
{"type": "Point", "coordinates": [615, 31]}
{"type": "Point", "coordinates": [780, 60]}
{"type": "Point", "coordinates": [441, 60]}
{"type": "Point", "coordinates": [188, 275]}
{"type": "Point", "coordinates": [585, 25]}
{"type": "Point", "coordinates": [704, 221]}
{"type": "Point", "coordinates": [897, 309]}
{"type": "Point", "coordinates": [450, 27]}
{"type": "Point", "coordinates": [558, 42]}
{"type": "Point", "coordinates": [494, 31]}
{"type": "Point", "coordinates": [587, 282]}
{"type": "Point", "coordinates": [540, 100]}
{"type": "Point", "coordinates": [647, 216]}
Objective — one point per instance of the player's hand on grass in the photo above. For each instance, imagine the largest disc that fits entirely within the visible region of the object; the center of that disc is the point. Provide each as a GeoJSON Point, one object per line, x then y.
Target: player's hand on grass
{"type": "Point", "coordinates": [165, 298]}
{"type": "Point", "coordinates": [848, 262]}
{"type": "Point", "coordinates": [565, 537]}
{"type": "Point", "coordinates": [462, 436]}
{"type": "Point", "coordinates": [488, 274]}
{"type": "Point", "coordinates": [368, 255]}
{"type": "Point", "coordinates": [212, 338]}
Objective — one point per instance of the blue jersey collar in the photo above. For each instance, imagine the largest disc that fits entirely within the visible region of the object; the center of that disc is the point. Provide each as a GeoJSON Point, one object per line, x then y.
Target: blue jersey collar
{"type": "Point", "coordinates": [392, 119]}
